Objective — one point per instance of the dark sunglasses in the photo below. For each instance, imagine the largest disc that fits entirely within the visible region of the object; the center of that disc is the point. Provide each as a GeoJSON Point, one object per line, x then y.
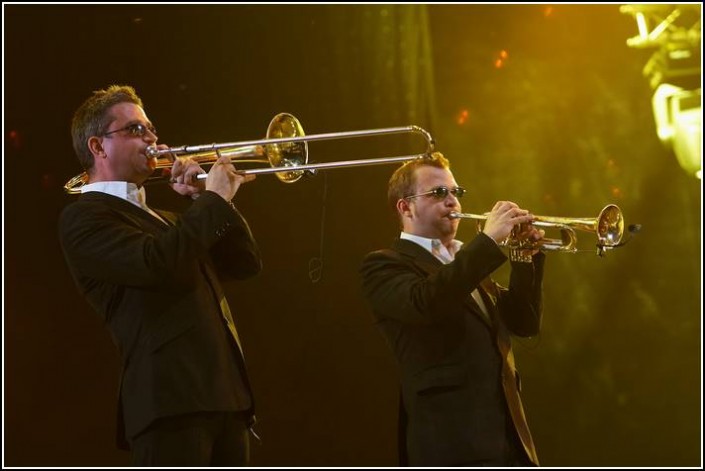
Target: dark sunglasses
{"type": "Point", "coordinates": [135, 130]}
{"type": "Point", "coordinates": [441, 192]}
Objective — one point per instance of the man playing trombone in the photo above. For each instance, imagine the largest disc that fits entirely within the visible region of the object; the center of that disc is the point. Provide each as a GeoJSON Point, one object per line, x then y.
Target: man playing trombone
{"type": "Point", "coordinates": [155, 279]}
{"type": "Point", "coordinates": [449, 324]}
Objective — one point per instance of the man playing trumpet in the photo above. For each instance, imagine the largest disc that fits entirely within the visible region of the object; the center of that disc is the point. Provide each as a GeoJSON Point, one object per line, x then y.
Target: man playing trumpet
{"type": "Point", "coordinates": [449, 324]}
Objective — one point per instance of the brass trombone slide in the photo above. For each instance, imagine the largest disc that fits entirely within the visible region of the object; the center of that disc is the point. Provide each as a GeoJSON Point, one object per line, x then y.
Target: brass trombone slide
{"type": "Point", "coordinates": [212, 150]}
{"type": "Point", "coordinates": [293, 166]}
{"type": "Point", "coordinates": [285, 149]}
{"type": "Point", "coordinates": [608, 226]}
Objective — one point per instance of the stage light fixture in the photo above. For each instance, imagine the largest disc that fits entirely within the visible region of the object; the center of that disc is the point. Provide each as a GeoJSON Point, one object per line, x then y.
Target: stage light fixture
{"type": "Point", "coordinates": [674, 73]}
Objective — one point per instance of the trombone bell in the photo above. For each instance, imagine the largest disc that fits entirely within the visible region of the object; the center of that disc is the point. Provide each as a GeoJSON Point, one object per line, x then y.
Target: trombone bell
{"type": "Point", "coordinates": [280, 149]}
{"type": "Point", "coordinates": [286, 154]}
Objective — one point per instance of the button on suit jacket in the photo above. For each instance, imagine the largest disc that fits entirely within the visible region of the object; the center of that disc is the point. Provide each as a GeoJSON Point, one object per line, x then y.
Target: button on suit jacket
{"type": "Point", "coordinates": [459, 385]}
{"type": "Point", "coordinates": [157, 288]}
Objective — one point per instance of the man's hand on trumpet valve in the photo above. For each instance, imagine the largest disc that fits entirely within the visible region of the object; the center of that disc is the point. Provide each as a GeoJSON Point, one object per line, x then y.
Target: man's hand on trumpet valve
{"type": "Point", "coordinates": [501, 221]}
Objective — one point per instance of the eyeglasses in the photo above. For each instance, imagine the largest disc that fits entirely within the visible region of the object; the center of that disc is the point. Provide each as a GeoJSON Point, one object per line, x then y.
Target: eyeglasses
{"type": "Point", "coordinates": [135, 130]}
{"type": "Point", "coordinates": [441, 192]}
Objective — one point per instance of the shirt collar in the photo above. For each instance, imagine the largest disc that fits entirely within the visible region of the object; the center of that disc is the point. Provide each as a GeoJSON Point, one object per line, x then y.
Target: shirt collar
{"type": "Point", "coordinates": [123, 190]}
{"type": "Point", "coordinates": [428, 244]}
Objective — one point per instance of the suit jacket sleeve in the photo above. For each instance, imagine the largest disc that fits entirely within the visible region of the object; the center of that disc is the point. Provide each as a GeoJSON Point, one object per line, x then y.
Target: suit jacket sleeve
{"type": "Point", "coordinates": [236, 255]}
{"type": "Point", "coordinates": [104, 244]}
{"type": "Point", "coordinates": [521, 306]}
{"type": "Point", "coordinates": [399, 289]}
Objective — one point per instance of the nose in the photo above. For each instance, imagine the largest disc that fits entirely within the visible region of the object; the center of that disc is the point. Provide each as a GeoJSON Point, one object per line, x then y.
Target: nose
{"type": "Point", "coordinates": [150, 137]}
{"type": "Point", "coordinates": [451, 200]}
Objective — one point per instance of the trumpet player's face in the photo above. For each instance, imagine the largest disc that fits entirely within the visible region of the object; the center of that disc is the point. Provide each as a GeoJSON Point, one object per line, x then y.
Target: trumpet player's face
{"type": "Point", "coordinates": [124, 145]}
{"type": "Point", "coordinates": [427, 215]}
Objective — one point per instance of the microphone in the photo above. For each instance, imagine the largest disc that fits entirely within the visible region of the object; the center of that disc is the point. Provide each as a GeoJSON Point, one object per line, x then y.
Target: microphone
{"type": "Point", "coordinates": [633, 230]}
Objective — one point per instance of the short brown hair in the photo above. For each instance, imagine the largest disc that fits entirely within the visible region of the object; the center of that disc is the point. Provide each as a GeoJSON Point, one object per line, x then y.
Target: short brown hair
{"type": "Point", "coordinates": [403, 181]}
{"type": "Point", "coordinates": [92, 118]}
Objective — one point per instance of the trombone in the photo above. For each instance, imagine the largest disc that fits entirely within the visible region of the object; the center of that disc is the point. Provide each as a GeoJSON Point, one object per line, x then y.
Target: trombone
{"type": "Point", "coordinates": [285, 149]}
{"type": "Point", "coordinates": [608, 226]}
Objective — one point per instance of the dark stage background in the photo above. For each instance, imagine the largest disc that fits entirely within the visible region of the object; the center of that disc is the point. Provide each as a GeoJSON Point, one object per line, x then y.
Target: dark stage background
{"type": "Point", "coordinates": [562, 125]}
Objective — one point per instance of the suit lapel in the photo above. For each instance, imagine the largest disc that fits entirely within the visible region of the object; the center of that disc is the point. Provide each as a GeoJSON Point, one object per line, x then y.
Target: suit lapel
{"type": "Point", "coordinates": [170, 218]}
{"type": "Point", "coordinates": [511, 386]}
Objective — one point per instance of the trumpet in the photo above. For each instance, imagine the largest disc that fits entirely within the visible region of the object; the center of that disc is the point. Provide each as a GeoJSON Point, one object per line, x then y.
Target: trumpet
{"type": "Point", "coordinates": [285, 149]}
{"type": "Point", "coordinates": [608, 227]}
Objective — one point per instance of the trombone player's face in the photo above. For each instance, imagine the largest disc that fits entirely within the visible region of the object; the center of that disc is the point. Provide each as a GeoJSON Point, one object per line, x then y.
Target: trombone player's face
{"type": "Point", "coordinates": [120, 153]}
{"type": "Point", "coordinates": [426, 215]}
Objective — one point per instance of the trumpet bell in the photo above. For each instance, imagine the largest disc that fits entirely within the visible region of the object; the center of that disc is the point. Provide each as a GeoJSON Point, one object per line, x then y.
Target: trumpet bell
{"type": "Point", "coordinates": [286, 154]}
{"type": "Point", "coordinates": [610, 226]}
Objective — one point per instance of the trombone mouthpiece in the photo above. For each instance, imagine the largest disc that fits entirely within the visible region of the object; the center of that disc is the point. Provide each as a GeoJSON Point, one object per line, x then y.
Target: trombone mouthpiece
{"type": "Point", "coordinates": [454, 215]}
{"type": "Point", "coordinates": [152, 152]}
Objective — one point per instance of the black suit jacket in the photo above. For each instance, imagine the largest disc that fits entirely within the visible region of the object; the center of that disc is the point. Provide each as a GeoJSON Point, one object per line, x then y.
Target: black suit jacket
{"type": "Point", "coordinates": [456, 366]}
{"type": "Point", "coordinates": [157, 288]}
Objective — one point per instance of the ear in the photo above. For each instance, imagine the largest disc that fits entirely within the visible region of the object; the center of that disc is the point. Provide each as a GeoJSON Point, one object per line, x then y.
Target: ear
{"type": "Point", "coordinates": [404, 208]}
{"type": "Point", "coordinates": [95, 145]}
